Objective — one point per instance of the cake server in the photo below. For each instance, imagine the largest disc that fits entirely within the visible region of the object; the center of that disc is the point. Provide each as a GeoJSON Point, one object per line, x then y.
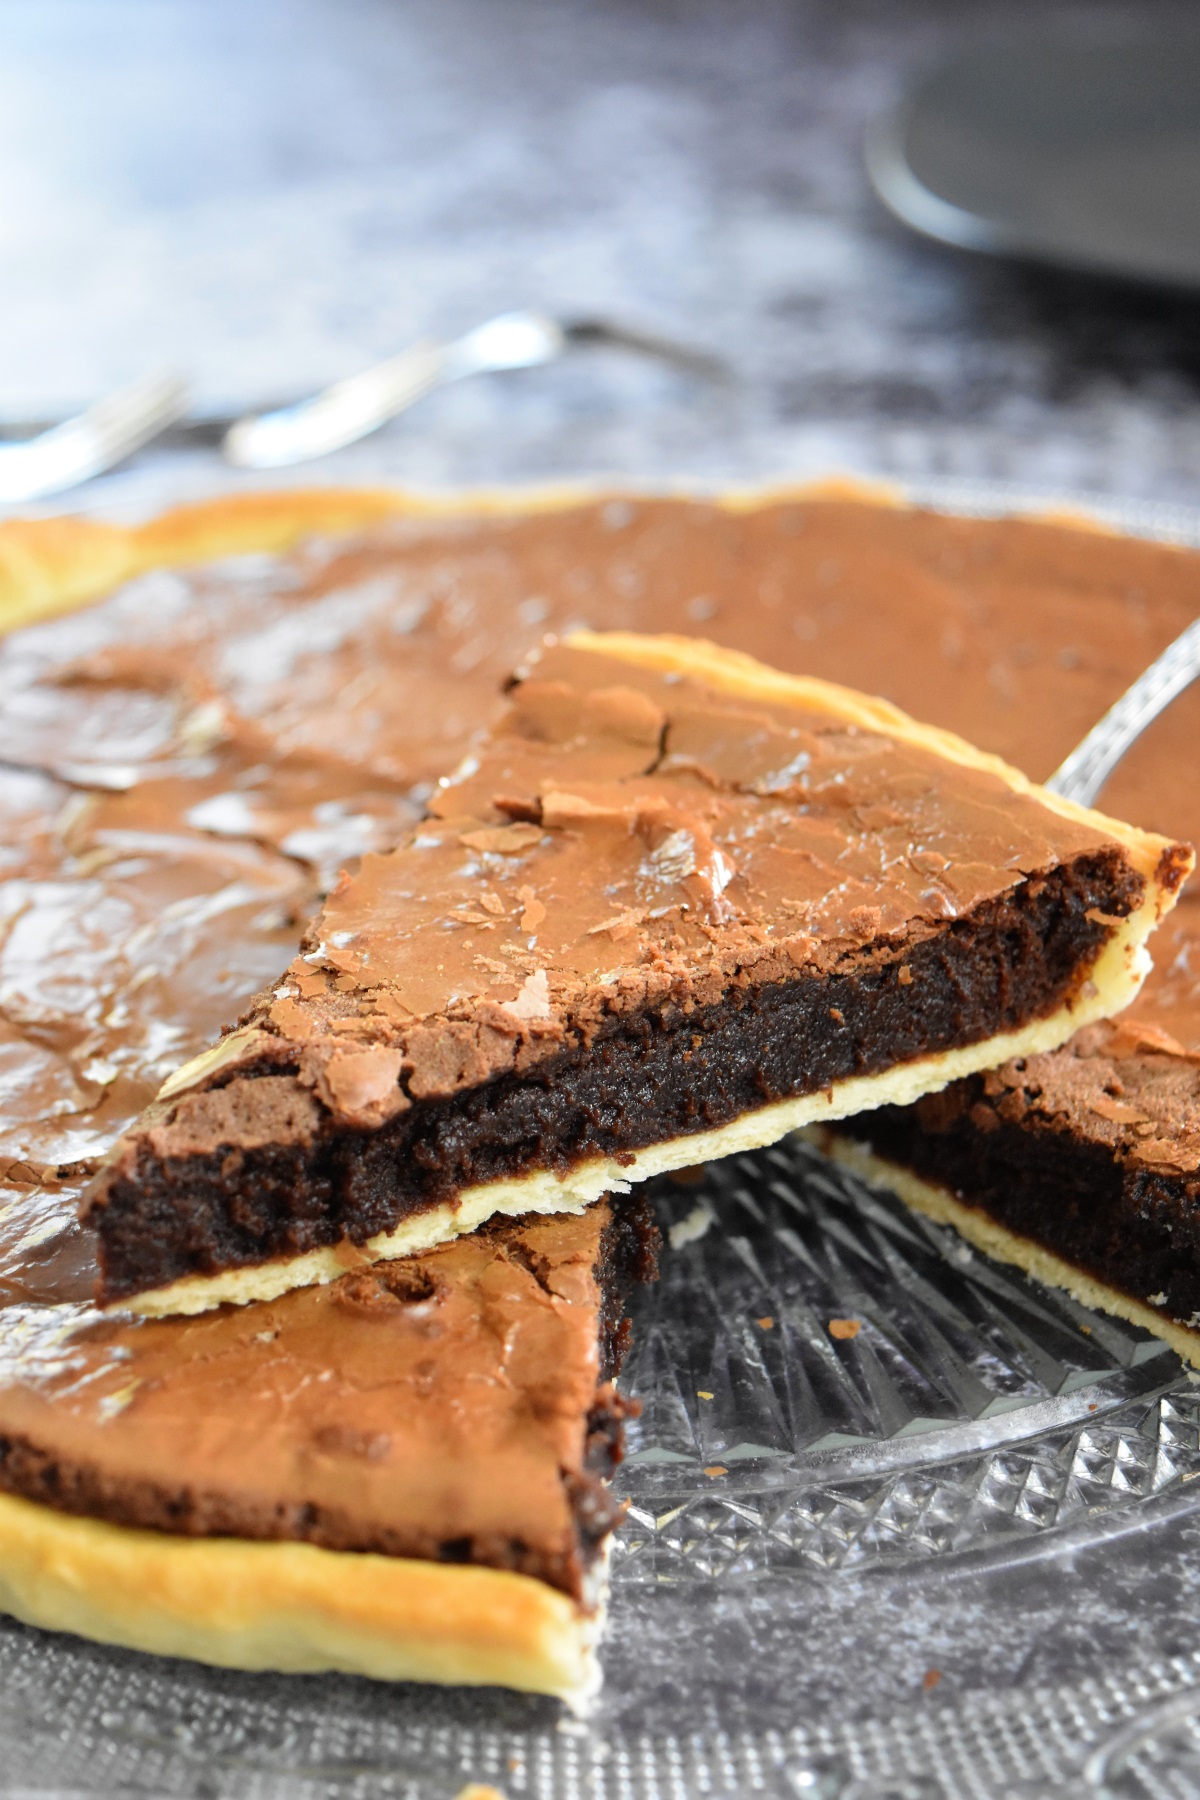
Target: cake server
{"type": "Point", "coordinates": [351, 409]}
{"type": "Point", "coordinates": [1091, 763]}
{"type": "Point", "coordinates": [64, 455]}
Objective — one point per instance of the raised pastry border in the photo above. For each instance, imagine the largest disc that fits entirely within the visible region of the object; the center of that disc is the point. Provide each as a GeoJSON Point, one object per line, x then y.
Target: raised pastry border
{"type": "Point", "coordinates": [55, 565]}
{"type": "Point", "coordinates": [293, 1607]}
{"type": "Point", "coordinates": [944, 1208]}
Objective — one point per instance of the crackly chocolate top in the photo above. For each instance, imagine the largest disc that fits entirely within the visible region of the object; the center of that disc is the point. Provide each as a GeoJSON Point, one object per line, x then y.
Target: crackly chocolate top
{"type": "Point", "coordinates": [433, 1406]}
{"type": "Point", "coordinates": [625, 836]}
{"type": "Point", "coordinates": [1127, 1084]}
{"type": "Point", "coordinates": [188, 763]}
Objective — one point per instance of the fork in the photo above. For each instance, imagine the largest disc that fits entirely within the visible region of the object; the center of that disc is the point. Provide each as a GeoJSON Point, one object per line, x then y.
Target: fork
{"type": "Point", "coordinates": [93, 441]}
{"type": "Point", "coordinates": [350, 409]}
{"type": "Point", "coordinates": [1090, 764]}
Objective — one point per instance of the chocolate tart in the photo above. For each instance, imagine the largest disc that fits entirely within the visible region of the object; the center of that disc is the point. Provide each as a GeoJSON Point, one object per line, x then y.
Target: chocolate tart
{"type": "Point", "coordinates": [398, 1475]}
{"type": "Point", "coordinates": [162, 874]}
{"type": "Point", "coordinates": [675, 905]}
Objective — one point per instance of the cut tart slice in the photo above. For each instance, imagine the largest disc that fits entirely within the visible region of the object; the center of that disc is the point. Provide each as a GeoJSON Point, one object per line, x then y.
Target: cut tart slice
{"type": "Point", "coordinates": [1080, 1165]}
{"type": "Point", "coordinates": [398, 1475]}
{"type": "Point", "coordinates": [675, 905]}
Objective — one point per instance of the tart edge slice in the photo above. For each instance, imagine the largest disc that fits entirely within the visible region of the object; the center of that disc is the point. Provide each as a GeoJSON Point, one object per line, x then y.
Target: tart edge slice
{"type": "Point", "coordinates": [295, 1607]}
{"type": "Point", "coordinates": [936, 1202]}
{"type": "Point", "coordinates": [1113, 982]}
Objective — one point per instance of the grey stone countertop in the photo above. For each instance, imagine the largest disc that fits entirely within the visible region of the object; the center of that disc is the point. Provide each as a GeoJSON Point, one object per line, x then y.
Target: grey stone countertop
{"type": "Point", "coordinates": [269, 193]}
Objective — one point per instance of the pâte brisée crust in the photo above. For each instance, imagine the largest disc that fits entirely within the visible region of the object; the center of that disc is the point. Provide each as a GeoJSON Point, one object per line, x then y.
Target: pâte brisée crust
{"type": "Point", "coordinates": [51, 566]}
{"type": "Point", "coordinates": [293, 1607]}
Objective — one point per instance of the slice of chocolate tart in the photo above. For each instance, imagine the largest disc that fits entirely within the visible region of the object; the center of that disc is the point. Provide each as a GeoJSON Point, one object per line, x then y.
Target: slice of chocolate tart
{"type": "Point", "coordinates": [675, 905]}
{"type": "Point", "coordinates": [1080, 1165]}
{"type": "Point", "coordinates": [400, 1474]}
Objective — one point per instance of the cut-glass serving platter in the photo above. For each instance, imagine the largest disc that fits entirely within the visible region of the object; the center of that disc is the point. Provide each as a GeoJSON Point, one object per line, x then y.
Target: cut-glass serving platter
{"type": "Point", "coordinates": [902, 1525]}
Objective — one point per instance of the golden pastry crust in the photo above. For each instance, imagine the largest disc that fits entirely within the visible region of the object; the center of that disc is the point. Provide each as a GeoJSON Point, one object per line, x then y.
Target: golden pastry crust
{"type": "Point", "coordinates": [292, 1607]}
{"type": "Point", "coordinates": [51, 566]}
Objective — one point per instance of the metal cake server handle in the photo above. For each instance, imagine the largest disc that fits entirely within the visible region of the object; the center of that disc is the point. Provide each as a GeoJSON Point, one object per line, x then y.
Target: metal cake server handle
{"type": "Point", "coordinates": [349, 410]}
{"type": "Point", "coordinates": [1091, 763]}
{"type": "Point", "coordinates": [95, 440]}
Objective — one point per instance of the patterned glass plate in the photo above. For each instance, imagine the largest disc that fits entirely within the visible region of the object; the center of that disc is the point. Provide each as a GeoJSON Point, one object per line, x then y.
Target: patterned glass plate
{"type": "Point", "coordinates": [901, 1524]}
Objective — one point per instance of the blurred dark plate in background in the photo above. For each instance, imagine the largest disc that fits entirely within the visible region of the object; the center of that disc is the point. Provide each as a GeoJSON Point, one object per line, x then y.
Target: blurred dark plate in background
{"type": "Point", "coordinates": [1060, 148]}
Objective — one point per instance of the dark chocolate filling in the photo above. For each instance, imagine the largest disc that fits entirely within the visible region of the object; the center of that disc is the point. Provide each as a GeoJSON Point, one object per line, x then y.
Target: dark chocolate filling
{"type": "Point", "coordinates": [660, 1075]}
{"type": "Point", "coordinates": [628, 1253]}
{"type": "Point", "coordinates": [1136, 1229]}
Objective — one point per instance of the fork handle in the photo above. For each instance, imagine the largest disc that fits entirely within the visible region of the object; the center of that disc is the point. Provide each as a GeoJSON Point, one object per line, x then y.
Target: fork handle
{"type": "Point", "coordinates": [340, 415]}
